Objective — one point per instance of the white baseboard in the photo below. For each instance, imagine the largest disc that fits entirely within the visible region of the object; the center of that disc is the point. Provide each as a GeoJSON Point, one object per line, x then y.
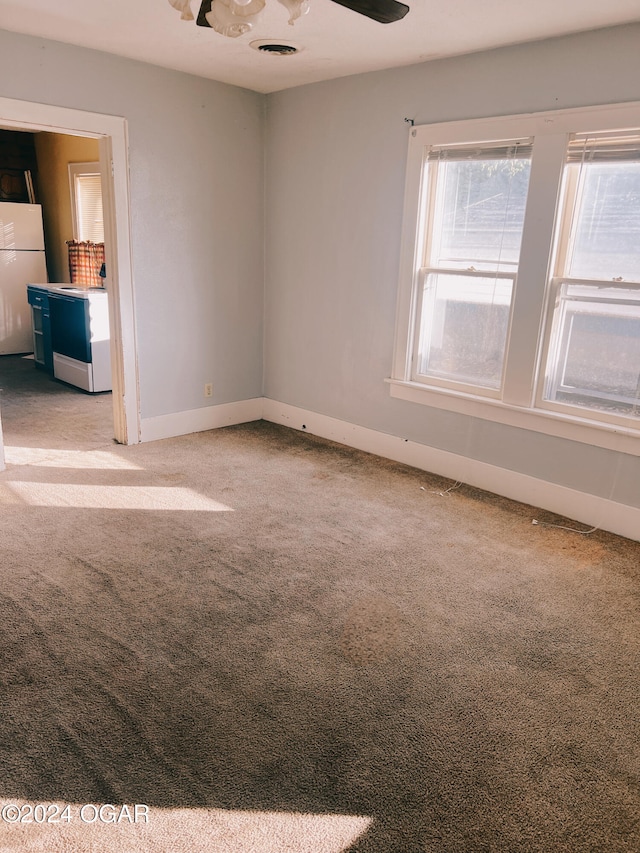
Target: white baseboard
{"type": "Point", "coordinates": [588, 509]}
{"type": "Point", "coordinates": [198, 420]}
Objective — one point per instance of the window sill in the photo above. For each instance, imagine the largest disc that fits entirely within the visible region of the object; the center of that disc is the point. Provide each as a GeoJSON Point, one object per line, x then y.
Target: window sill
{"type": "Point", "coordinates": [574, 428]}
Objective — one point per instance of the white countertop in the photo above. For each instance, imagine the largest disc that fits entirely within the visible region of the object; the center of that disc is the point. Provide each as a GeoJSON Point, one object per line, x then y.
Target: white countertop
{"type": "Point", "coordinates": [71, 290]}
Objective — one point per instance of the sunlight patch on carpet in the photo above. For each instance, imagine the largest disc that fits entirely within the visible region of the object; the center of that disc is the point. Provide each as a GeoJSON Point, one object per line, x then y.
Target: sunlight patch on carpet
{"type": "Point", "coordinates": [196, 830]}
{"type": "Point", "coordinates": [68, 495]}
{"type": "Point", "coordinates": [54, 458]}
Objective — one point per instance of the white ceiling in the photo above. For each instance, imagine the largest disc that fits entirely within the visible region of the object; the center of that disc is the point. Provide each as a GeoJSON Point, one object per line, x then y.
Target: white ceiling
{"type": "Point", "coordinates": [333, 41]}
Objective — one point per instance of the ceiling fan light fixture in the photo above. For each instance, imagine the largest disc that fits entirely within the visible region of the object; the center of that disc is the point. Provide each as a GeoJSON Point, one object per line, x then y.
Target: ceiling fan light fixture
{"type": "Point", "coordinates": [184, 7]}
{"type": "Point", "coordinates": [295, 8]}
{"type": "Point", "coordinates": [235, 17]}
{"type": "Point", "coordinates": [223, 21]}
{"type": "Point", "coordinates": [242, 9]}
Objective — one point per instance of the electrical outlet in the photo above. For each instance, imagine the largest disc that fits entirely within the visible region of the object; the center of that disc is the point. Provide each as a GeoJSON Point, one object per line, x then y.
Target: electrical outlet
{"type": "Point", "coordinates": [208, 389]}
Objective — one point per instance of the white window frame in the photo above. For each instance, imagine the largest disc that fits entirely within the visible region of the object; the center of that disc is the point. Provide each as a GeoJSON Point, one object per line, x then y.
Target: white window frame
{"type": "Point", "coordinates": [432, 187]}
{"type": "Point", "coordinates": [519, 403]}
{"type": "Point", "coordinates": [77, 170]}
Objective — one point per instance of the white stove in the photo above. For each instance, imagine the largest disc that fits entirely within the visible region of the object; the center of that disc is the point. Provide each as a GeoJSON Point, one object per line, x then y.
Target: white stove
{"type": "Point", "coordinates": [80, 336]}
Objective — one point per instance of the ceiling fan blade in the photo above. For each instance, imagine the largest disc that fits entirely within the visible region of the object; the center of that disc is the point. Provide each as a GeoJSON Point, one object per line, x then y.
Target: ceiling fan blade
{"type": "Point", "coordinates": [205, 8]}
{"type": "Point", "coordinates": [383, 11]}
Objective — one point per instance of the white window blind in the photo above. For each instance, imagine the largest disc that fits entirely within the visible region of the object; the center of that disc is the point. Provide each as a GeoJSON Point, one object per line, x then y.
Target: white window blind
{"type": "Point", "coordinates": [89, 201]}
{"type": "Point", "coordinates": [513, 148]}
{"type": "Point", "coordinates": [603, 148]}
{"type": "Point", "coordinates": [86, 197]}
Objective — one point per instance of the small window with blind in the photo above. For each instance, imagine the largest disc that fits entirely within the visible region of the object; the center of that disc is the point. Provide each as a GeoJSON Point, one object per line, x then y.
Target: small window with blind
{"type": "Point", "coordinates": [86, 202]}
{"type": "Point", "coordinates": [593, 351]}
{"type": "Point", "coordinates": [475, 197]}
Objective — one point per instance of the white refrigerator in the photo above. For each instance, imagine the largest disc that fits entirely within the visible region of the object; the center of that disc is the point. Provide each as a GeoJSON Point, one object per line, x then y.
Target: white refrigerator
{"type": "Point", "coordinates": [22, 262]}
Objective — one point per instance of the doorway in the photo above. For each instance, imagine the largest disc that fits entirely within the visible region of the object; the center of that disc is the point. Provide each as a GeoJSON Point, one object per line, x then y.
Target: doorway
{"type": "Point", "coordinates": [111, 133]}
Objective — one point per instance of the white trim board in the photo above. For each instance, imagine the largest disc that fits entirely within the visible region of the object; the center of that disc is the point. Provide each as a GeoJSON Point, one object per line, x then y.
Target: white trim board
{"type": "Point", "coordinates": [585, 508]}
{"type": "Point", "coordinates": [575, 428]}
{"type": "Point", "coordinates": [198, 420]}
{"type": "Point", "coordinates": [111, 131]}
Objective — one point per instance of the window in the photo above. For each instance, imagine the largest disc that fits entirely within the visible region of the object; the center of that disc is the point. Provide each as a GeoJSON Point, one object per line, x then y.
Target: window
{"type": "Point", "coordinates": [593, 358]}
{"type": "Point", "coordinates": [476, 198]}
{"type": "Point", "coordinates": [519, 294]}
{"type": "Point", "coordinates": [86, 202]}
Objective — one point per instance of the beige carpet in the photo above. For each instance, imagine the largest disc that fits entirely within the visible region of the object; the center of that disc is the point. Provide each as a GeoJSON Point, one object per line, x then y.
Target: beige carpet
{"type": "Point", "coordinates": [280, 645]}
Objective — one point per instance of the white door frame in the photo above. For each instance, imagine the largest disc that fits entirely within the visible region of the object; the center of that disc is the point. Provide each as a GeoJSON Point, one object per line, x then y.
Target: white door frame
{"type": "Point", "coordinates": [111, 131]}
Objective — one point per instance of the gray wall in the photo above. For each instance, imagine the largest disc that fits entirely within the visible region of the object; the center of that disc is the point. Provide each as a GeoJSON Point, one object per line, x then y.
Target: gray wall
{"type": "Point", "coordinates": [197, 198]}
{"type": "Point", "coordinates": [335, 181]}
{"type": "Point", "coordinates": [336, 155]}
